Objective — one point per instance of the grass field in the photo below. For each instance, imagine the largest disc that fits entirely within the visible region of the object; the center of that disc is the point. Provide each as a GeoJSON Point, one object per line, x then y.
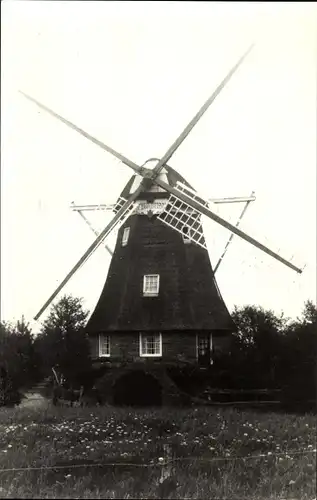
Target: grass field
{"type": "Point", "coordinates": [216, 453]}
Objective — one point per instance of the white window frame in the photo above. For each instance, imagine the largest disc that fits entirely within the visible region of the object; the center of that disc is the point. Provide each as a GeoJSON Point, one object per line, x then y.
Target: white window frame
{"type": "Point", "coordinates": [154, 292]}
{"type": "Point", "coordinates": [146, 355]}
{"type": "Point", "coordinates": [125, 236]}
{"type": "Point", "coordinates": [210, 347]}
{"type": "Point", "coordinates": [100, 353]}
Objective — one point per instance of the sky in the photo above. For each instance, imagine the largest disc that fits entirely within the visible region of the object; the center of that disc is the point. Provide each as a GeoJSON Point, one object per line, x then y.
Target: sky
{"type": "Point", "coordinates": [133, 75]}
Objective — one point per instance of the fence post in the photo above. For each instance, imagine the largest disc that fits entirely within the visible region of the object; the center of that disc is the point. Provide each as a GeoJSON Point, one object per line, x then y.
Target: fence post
{"type": "Point", "coordinates": [166, 469]}
{"type": "Point", "coordinates": [167, 483]}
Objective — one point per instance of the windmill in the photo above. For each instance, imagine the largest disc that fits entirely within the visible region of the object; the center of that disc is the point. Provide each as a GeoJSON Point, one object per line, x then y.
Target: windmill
{"type": "Point", "coordinates": [160, 301]}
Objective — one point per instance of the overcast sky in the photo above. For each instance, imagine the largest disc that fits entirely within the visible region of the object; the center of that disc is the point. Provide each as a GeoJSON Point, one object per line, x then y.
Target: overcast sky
{"type": "Point", "coordinates": [133, 75]}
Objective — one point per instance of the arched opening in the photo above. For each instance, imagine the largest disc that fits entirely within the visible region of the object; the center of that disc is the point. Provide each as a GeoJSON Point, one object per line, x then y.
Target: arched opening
{"type": "Point", "coordinates": [137, 388]}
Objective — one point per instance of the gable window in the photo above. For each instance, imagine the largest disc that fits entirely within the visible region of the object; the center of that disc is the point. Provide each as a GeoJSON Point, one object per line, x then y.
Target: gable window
{"type": "Point", "coordinates": [151, 284]}
{"type": "Point", "coordinates": [151, 344]}
{"type": "Point", "coordinates": [125, 236]}
{"type": "Point", "coordinates": [104, 345]}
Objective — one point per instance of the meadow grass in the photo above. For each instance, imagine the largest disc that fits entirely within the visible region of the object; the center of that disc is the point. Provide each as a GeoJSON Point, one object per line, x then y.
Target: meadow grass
{"type": "Point", "coordinates": [216, 453]}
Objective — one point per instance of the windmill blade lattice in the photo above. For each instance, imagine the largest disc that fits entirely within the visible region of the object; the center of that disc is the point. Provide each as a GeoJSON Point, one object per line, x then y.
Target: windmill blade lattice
{"type": "Point", "coordinates": [119, 204]}
{"type": "Point", "coordinates": [183, 218]}
{"type": "Point", "coordinates": [220, 260]}
{"type": "Point", "coordinates": [96, 233]}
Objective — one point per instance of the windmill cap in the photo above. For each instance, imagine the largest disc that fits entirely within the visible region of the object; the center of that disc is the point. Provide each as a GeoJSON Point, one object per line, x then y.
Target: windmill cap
{"type": "Point", "coordinates": [152, 162]}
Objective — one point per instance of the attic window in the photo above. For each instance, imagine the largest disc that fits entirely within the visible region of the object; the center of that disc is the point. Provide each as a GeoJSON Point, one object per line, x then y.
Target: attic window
{"type": "Point", "coordinates": [151, 345]}
{"type": "Point", "coordinates": [104, 345]}
{"type": "Point", "coordinates": [125, 236]}
{"type": "Point", "coordinates": [151, 284]}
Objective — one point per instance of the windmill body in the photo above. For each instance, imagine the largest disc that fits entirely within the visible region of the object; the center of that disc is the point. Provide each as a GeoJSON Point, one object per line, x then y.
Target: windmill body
{"type": "Point", "coordinates": [160, 301]}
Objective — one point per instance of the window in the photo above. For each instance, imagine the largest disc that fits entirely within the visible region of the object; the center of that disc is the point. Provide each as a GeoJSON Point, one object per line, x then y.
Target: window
{"type": "Point", "coordinates": [203, 345]}
{"type": "Point", "coordinates": [151, 284]}
{"type": "Point", "coordinates": [104, 345]}
{"type": "Point", "coordinates": [125, 236]}
{"type": "Point", "coordinates": [204, 348]}
{"type": "Point", "coordinates": [151, 344]}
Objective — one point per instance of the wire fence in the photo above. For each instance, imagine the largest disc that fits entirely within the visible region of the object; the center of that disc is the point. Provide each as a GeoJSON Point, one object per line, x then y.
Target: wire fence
{"type": "Point", "coordinates": [161, 462]}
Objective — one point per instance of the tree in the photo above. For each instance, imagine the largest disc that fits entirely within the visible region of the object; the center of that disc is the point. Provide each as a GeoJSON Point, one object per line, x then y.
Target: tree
{"type": "Point", "coordinates": [256, 346]}
{"type": "Point", "coordinates": [17, 359]}
{"type": "Point", "coordinates": [271, 351]}
{"type": "Point", "coordinates": [62, 341]}
{"type": "Point", "coordinates": [309, 314]}
{"type": "Point", "coordinates": [28, 364]}
{"type": "Point", "coordinates": [300, 355]}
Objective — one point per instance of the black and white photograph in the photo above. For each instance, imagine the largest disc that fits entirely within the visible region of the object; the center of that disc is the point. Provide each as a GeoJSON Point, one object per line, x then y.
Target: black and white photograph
{"type": "Point", "coordinates": [158, 317]}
